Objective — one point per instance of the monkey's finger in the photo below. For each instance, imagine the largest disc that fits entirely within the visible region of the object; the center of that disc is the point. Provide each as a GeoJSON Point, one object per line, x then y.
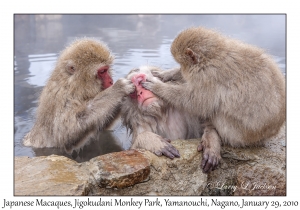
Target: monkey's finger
{"type": "Point", "coordinates": [159, 76]}
{"type": "Point", "coordinates": [156, 74]}
{"type": "Point", "coordinates": [204, 160]}
{"type": "Point", "coordinates": [210, 164]}
{"type": "Point", "coordinates": [174, 151]}
{"type": "Point", "coordinates": [167, 154]}
{"type": "Point", "coordinates": [206, 163]}
{"type": "Point", "coordinates": [132, 88]}
{"type": "Point", "coordinates": [200, 147]}
{"type": "Point", "coordinates": [158, 153]}
{"type": "Point", "coordinates": [171, 148]}
{"type": "Point", "coordinates": [170, 151]}
{"type": "Point", "coordinates": [167, 140]}
{"type": "Point", "coordinates": [128, 82]}
{"type": "Point", "coordinates": [215, 164]}
{"type": "Point", "coordinates": [147, 85]}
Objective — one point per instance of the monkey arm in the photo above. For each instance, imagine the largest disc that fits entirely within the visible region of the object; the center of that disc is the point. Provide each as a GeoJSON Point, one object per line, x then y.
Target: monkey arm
{"type": "Point", "coordinates": [78, 121]}
{"type": "Point", "coordinates": [184, 97]}
{"type": "Point", "coordinates": [105, 105]}
{"type": "Point", "coordinates": [82, 120]}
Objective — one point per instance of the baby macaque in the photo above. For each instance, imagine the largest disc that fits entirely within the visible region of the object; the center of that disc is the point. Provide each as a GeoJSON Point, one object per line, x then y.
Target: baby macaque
{"type": "Point", "coordinates": [79, 99]}
{"type": "Point", "coordinates": [153, 122]}
{"type": "Point", "coordinates": [236, 87]}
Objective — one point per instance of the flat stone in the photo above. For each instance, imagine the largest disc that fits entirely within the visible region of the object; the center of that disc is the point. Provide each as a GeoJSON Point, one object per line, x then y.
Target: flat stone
{"type": "Point", "coordinates": [119, 169]}
{"type": "Point", "coordinates": [51, 175]}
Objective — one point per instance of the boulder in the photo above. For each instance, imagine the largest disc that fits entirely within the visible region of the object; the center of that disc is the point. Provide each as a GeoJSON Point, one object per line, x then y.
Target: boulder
{"type": "Point", "coordinates": [50, 175]}
{"type": "Point", "coordinates": [257, 170]}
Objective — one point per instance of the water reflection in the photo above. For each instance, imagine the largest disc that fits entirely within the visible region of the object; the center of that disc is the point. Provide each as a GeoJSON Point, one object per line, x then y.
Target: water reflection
{"type": "Point", "coordinates": [40, 68]}
{"type": "Point", "coordinates": [134, 39]}
{"type": "Point", "coordinates": [107, 142]}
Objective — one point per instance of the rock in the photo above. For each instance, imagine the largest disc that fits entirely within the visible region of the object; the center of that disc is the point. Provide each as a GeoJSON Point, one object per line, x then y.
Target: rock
{"type": "Point", "coordinates": [129, 172]}
{"type": "Point", "coordinates": [265, 171]}
{"type": "Point", "coordinates": [260, 180]}
{"type": "Point", "coordinates": [258, 170]}
{"type": "Point", "coordinates": [180, 176]}
{"type": "Point", "coordinates": [51, 175]}
{"type": "Point", "coordinates": [119, 169]}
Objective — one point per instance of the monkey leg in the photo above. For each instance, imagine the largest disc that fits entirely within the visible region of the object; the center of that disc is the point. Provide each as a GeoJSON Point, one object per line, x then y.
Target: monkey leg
{"type": "Point", "coordinates": [211, 147]}
{"type": "Point", "coordinates": [155, 144]}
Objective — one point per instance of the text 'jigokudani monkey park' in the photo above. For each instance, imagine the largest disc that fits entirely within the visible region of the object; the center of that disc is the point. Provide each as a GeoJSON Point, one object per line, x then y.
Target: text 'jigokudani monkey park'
{"type": "Point", "coordinates": [223, 92]}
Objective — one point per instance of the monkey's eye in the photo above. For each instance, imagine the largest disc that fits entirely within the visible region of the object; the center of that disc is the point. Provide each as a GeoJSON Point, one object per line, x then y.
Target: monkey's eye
{"type": "Point", "coordinates": [71, 69]}
{"type": "Point", "coordinates": [102, 71]}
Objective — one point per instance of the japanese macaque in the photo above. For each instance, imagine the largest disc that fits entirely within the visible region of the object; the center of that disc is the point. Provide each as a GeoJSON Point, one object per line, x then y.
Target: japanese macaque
{"type": "Point", "coordinates": [79, 99]}
{"type": "Point", "coordinates": [236, 87]}
{"type": "Point", "coordinates": [154, 123]}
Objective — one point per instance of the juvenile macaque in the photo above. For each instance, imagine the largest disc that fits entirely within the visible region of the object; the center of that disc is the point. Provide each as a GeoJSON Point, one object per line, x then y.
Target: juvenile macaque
{"type": "Point", "coordinates": [152, 122]}
{"type": "Point", "coordinates": [79, 99]}
{"type": "Point", "coordinates": [237, 87]}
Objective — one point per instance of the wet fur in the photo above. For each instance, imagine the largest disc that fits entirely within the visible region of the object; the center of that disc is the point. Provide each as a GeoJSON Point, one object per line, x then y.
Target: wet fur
{"type": "Point", "coordinates": [72, 107]}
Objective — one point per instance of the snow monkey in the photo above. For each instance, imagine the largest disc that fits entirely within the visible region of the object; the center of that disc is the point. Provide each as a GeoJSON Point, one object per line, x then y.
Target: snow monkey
{"type": "Point", "coordinates": [79, 99]}
{"type": "Point", "coordinates": [236, 87]}
{"type": "Point", "coordinates": [152, 122]}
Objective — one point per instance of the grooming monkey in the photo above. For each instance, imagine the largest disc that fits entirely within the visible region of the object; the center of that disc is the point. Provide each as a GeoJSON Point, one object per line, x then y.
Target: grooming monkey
{"type": "Point", "coordinates": [79, 99]}
{"type": "Point", "coordinates": [237, 88]}
{"type": "Point", "coordinates": [152, 122]}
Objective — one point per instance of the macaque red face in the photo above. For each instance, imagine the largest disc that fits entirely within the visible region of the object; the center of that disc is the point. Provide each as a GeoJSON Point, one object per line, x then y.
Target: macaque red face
{"type": "Point", "coordinates": [104, 75]}
{"type": "Point", "coordinates": [143, 96]}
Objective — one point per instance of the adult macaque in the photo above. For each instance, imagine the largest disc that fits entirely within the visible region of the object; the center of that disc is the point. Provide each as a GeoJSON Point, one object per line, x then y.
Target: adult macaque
{"type": "Point", "coordinates": [79, 99]}
{"type": "Point", "coordinates": [152, 122]}
{"type": "Point", "coordinates": [237, 87]}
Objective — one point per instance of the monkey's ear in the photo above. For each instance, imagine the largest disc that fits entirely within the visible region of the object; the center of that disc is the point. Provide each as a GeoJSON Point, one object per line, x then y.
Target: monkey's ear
{"type": "Point", "coordinates": [194, 57]}
{"type": "Point", "coordinates": [70, 67]}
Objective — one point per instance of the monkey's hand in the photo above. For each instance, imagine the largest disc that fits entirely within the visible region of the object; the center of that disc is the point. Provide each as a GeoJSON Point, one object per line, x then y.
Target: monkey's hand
{"type": "Point", "coordinates": [124, 85]}
{"type": "Point", "coordinates": [152, 83]}
{"type": "Point", "coordinates": [166, 149]}
{"type": "Point", "coordinates": [210, 157]}
{"type": "Point", "coordinates": [155, 144]}
{"type": "Point", "coordinates": [167, 75]}
{"type": "Point", "coordinates": [211, 147]}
